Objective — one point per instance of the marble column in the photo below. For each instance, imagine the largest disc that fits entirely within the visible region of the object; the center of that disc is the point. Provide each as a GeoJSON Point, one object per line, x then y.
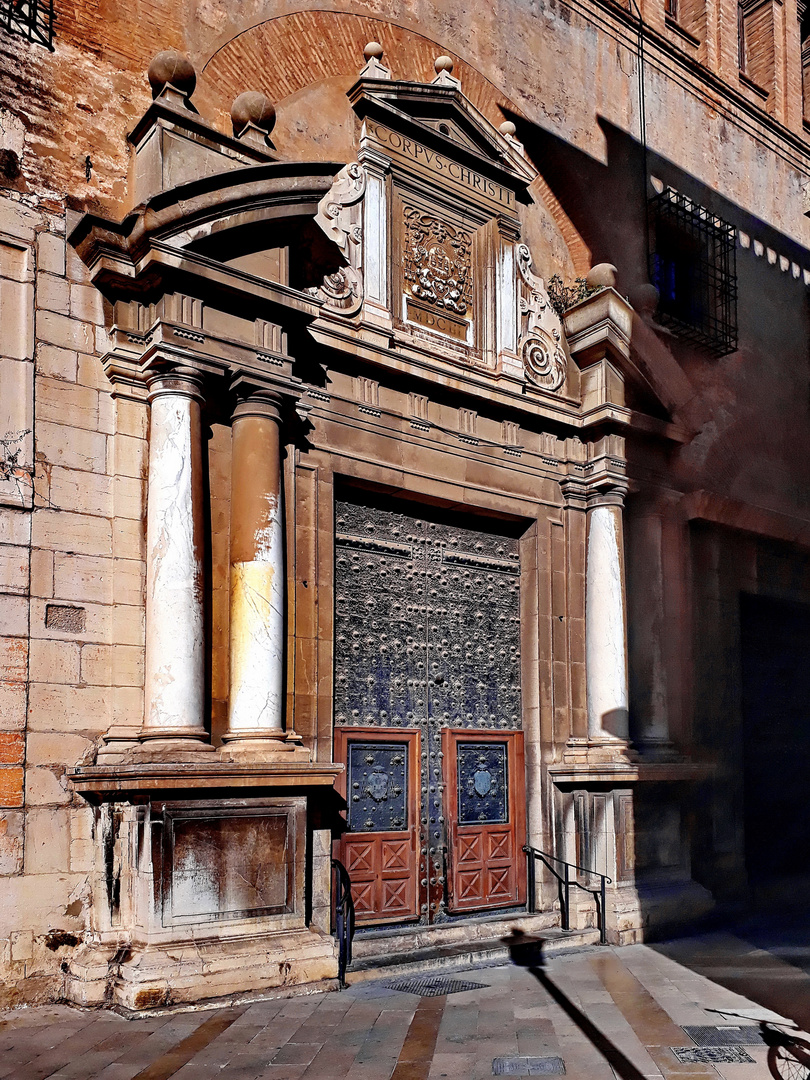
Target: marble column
{"type": "Point", "coordinates": [174, 681]}
{"type": "Point", "coordinates": [605, 625]}
{"type": "Point", "coordinates": [256, 708]}
{"type": "Point", "coordinates": [656, 600]}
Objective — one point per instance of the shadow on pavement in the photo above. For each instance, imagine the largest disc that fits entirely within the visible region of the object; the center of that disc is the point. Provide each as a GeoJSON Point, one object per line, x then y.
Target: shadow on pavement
{"type": "Point", "coordinates": [525, 950]}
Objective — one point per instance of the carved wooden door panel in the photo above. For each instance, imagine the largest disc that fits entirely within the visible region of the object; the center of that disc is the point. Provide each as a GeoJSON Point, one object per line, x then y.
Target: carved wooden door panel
{"type": "Point", "coordinates": [427, 637]}
{"type": "Point", "coordinates": [380, 848]}
{"type": "Point", "coordinates": [484, 774]}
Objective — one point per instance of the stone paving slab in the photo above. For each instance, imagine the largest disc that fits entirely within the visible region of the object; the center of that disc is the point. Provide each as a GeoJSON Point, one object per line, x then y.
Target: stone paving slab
{"type": "Point", "coordinates": [610, 1014]}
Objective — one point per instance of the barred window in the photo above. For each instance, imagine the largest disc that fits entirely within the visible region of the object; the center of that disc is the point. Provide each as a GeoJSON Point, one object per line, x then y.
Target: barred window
{"type": "Point", "coordinates": [693, 264]}
{"type": "Point", "coordinates": [32, 19]}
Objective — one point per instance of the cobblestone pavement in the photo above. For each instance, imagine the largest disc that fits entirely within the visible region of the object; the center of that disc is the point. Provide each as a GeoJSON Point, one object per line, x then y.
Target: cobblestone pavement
{"type": "Point", "coordinates": [604, 1013]}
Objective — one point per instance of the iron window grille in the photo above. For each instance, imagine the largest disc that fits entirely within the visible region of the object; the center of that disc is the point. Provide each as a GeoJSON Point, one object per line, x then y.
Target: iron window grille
{"type": "Point", "coordinates": [31, 19]}
{"type": "Point", "coordinates": [693, 264]}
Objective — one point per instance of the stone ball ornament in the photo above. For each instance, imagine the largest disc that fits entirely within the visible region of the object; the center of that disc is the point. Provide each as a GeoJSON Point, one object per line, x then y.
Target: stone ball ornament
{"type": "Point", "coordinates": [253, 108]}
{"type": "Point", "coordinates": [645, 300]}
{"type": "Point", "coordinates": [373, 51]}
{"type": "Point", "coordinates": [171, 68]}
{"type": "Point", "coordinates": [508, 129]}
{"type": "Point", "coordinates": [443, 64]}
{"type": "Point", "coordinates": [601, 276]}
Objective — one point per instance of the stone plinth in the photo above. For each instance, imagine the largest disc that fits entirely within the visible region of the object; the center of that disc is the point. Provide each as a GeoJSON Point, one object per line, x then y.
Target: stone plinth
{"type": "Point", "coordinates": [203, 885]}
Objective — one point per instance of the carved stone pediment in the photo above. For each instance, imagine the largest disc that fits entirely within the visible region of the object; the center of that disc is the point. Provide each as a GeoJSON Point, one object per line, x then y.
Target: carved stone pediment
{"type": "Point", "coordinates": [439, 115]}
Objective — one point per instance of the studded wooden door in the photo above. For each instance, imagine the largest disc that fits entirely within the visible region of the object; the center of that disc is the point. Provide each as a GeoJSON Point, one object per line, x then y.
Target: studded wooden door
{"type": "Point", "coordinates": [380, 848]}
{"type": "Point", "coordinates": [427, 637]}
{"type": "Point", "coordinates": [486, 819]}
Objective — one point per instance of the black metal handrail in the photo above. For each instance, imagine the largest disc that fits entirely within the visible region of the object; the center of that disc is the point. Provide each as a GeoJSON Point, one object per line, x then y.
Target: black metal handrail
{"type": "Point", "coordinates": [564, 883]}
{"type": "Point", "coordinates": [344, 918]}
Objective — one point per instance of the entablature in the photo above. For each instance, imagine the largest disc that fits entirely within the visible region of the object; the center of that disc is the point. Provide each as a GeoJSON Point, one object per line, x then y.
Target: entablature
{"type": "Point", "coordinates": [409, 259]}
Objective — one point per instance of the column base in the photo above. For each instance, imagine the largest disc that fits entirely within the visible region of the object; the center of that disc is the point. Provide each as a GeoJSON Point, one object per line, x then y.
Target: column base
{"type": "Point", "coordinates": [653, 749]}
{"type": "Point", "coordinates": [599, 749]}
{"type": "Point", "coordinates": [259, 746]}
{"type": "Point", "coordinates": [190, 738]}
{"type": "Point", "coordinates": [157, 976]}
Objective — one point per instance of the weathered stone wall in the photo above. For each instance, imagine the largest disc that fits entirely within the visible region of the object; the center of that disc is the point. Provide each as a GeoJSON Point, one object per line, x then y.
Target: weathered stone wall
{"type": "Point", "coordinates": [71, 603]}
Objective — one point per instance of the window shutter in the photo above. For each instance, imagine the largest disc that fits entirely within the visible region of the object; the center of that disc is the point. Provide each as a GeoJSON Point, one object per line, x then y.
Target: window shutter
{"type": "Point", "coordinates": [806, 78]}
{"type": "Point", "coordinates": [692, 16]}
{"type": "Point", "coordinates": [758, 45]}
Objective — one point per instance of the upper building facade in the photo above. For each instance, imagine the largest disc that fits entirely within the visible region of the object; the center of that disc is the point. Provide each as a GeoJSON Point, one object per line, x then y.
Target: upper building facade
{"type": "Point", "coordinates": [403, 428]}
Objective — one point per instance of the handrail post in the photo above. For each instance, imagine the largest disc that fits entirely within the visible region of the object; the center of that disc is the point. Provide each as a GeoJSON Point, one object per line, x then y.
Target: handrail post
{"type": "Point", "coordinates": [602, 915]}
{"type": "Point", "coordinates": [532, 872]}
{"type": "Point", "coordinates": [566, 889]}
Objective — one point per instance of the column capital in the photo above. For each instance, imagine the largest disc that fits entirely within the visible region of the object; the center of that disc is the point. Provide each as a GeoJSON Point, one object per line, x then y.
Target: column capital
{"type": "Point", "coordinates": [182, 381]}
{"type": "Point", "coordinates": [262, 403]}
{"type": "Point", "coordinates": [655, 501]}
{"type": "Point", "coordinates": [586, 493]}
{"type": "Point", "coordinates": [608, 491]}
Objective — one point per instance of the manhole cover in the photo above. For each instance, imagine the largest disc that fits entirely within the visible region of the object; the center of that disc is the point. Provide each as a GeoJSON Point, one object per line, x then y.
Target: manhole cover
{"type": "Point", "coordinates": [726, 1035]}
{"type": "Point", "coordinates": [709, 1055]}
{"type": "Point", "coordinates": [528, 1066]}
{"type": "Point", "coordinates": [433, 987]}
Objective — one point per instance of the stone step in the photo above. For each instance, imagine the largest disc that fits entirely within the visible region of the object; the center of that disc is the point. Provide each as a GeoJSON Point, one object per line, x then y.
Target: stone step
{"type": "Point", "coordinates": [391, 955]}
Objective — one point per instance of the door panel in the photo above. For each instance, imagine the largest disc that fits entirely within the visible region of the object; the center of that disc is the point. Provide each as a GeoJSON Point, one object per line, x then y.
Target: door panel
{"type": "Point", "coordinates": [427, 637]}
{"type": "Point", "coordinates": [380, 848]}
{"type": "Point", "coordinates": [486, 819]}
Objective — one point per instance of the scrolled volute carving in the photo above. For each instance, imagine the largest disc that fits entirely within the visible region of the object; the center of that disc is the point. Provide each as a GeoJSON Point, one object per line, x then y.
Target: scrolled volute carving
{"type": "Point", "coordinates": [338, 211]}
{"type": "Point", "coordinates": [339, 216]}
{"type": "Point", "coordinates": [541, 338]}
{"type": "Point", "coordinates": [341, 291]}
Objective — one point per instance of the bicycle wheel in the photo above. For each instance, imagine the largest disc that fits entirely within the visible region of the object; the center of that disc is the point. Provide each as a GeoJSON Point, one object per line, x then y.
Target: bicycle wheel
{"type": "Point", "coordinates": [790, 1060]}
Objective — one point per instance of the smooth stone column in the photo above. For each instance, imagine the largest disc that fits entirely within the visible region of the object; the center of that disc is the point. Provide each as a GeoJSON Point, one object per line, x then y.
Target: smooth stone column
{"type": "Point", "coordinates": [256, 707]}
{"type": "Point", "coordinates": [605, 640]}
{"type": "Point", "coordinates": [656, 599]}
{"type": "Point", "coordinates": [175, 642]}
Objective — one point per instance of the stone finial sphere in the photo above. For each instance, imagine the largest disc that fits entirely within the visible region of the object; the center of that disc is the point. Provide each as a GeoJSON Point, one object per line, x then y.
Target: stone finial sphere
{"type": "Point", "coordinates": [508, 128]}
{"type": "Point", "coordinates": [255, 108]}
{"type": "Point", "coordinates": [603, 275]}
{"type": "Point", "coordinates": [443, 63]}
{"type": "Point", "coordinates": [645, 300]}
{"type": "Point", "coordinates": [171, 67]}
{"type": "Point", "coordinates": [373, 51]}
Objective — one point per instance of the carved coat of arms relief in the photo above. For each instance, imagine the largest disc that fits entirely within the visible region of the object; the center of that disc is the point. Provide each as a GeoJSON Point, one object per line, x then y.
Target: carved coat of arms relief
{"type": "Point", "coordinates": [437, 262]}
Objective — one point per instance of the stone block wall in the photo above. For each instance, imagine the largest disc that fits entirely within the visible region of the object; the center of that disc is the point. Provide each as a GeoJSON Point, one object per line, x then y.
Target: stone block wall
{"type": "Point", "coordinates": [72, 505]}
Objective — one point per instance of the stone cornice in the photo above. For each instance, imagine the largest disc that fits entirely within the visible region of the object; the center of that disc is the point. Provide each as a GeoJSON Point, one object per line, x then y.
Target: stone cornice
{"type": "Point", "coordinates": [102, 781]}
{"type": "Point", "coordinates": [281, 184]}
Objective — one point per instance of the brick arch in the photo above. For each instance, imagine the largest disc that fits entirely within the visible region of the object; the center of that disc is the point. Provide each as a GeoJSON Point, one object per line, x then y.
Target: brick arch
{"type": "Point", "coordinates": [286, 54]}
{"type": "Point", "coordinates": [305, 62]}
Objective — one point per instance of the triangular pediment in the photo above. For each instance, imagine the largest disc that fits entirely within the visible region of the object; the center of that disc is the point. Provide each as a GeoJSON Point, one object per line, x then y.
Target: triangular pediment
{"type": "Point", "coordinates": [440, 115]}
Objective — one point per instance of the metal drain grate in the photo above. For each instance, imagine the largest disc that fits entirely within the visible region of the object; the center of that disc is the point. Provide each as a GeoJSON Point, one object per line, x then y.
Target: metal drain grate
{"type": "Point", "coordinates": [710, 1055]}
{"type": "Point", "coordinates": [434, 986]}
{"type": "Point", "coordinates": [528, 1066]}
{"type": "Point", "coordinates": [726, 1035]}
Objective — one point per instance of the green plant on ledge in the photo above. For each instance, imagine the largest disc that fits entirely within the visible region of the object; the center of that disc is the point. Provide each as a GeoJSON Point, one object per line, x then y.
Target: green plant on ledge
{"type": "Point", "coordinates": [563, 297]}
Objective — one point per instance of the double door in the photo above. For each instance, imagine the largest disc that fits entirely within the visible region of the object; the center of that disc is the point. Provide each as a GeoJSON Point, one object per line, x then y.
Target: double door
{"type": "Point", "coordinates": [427, 714]}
